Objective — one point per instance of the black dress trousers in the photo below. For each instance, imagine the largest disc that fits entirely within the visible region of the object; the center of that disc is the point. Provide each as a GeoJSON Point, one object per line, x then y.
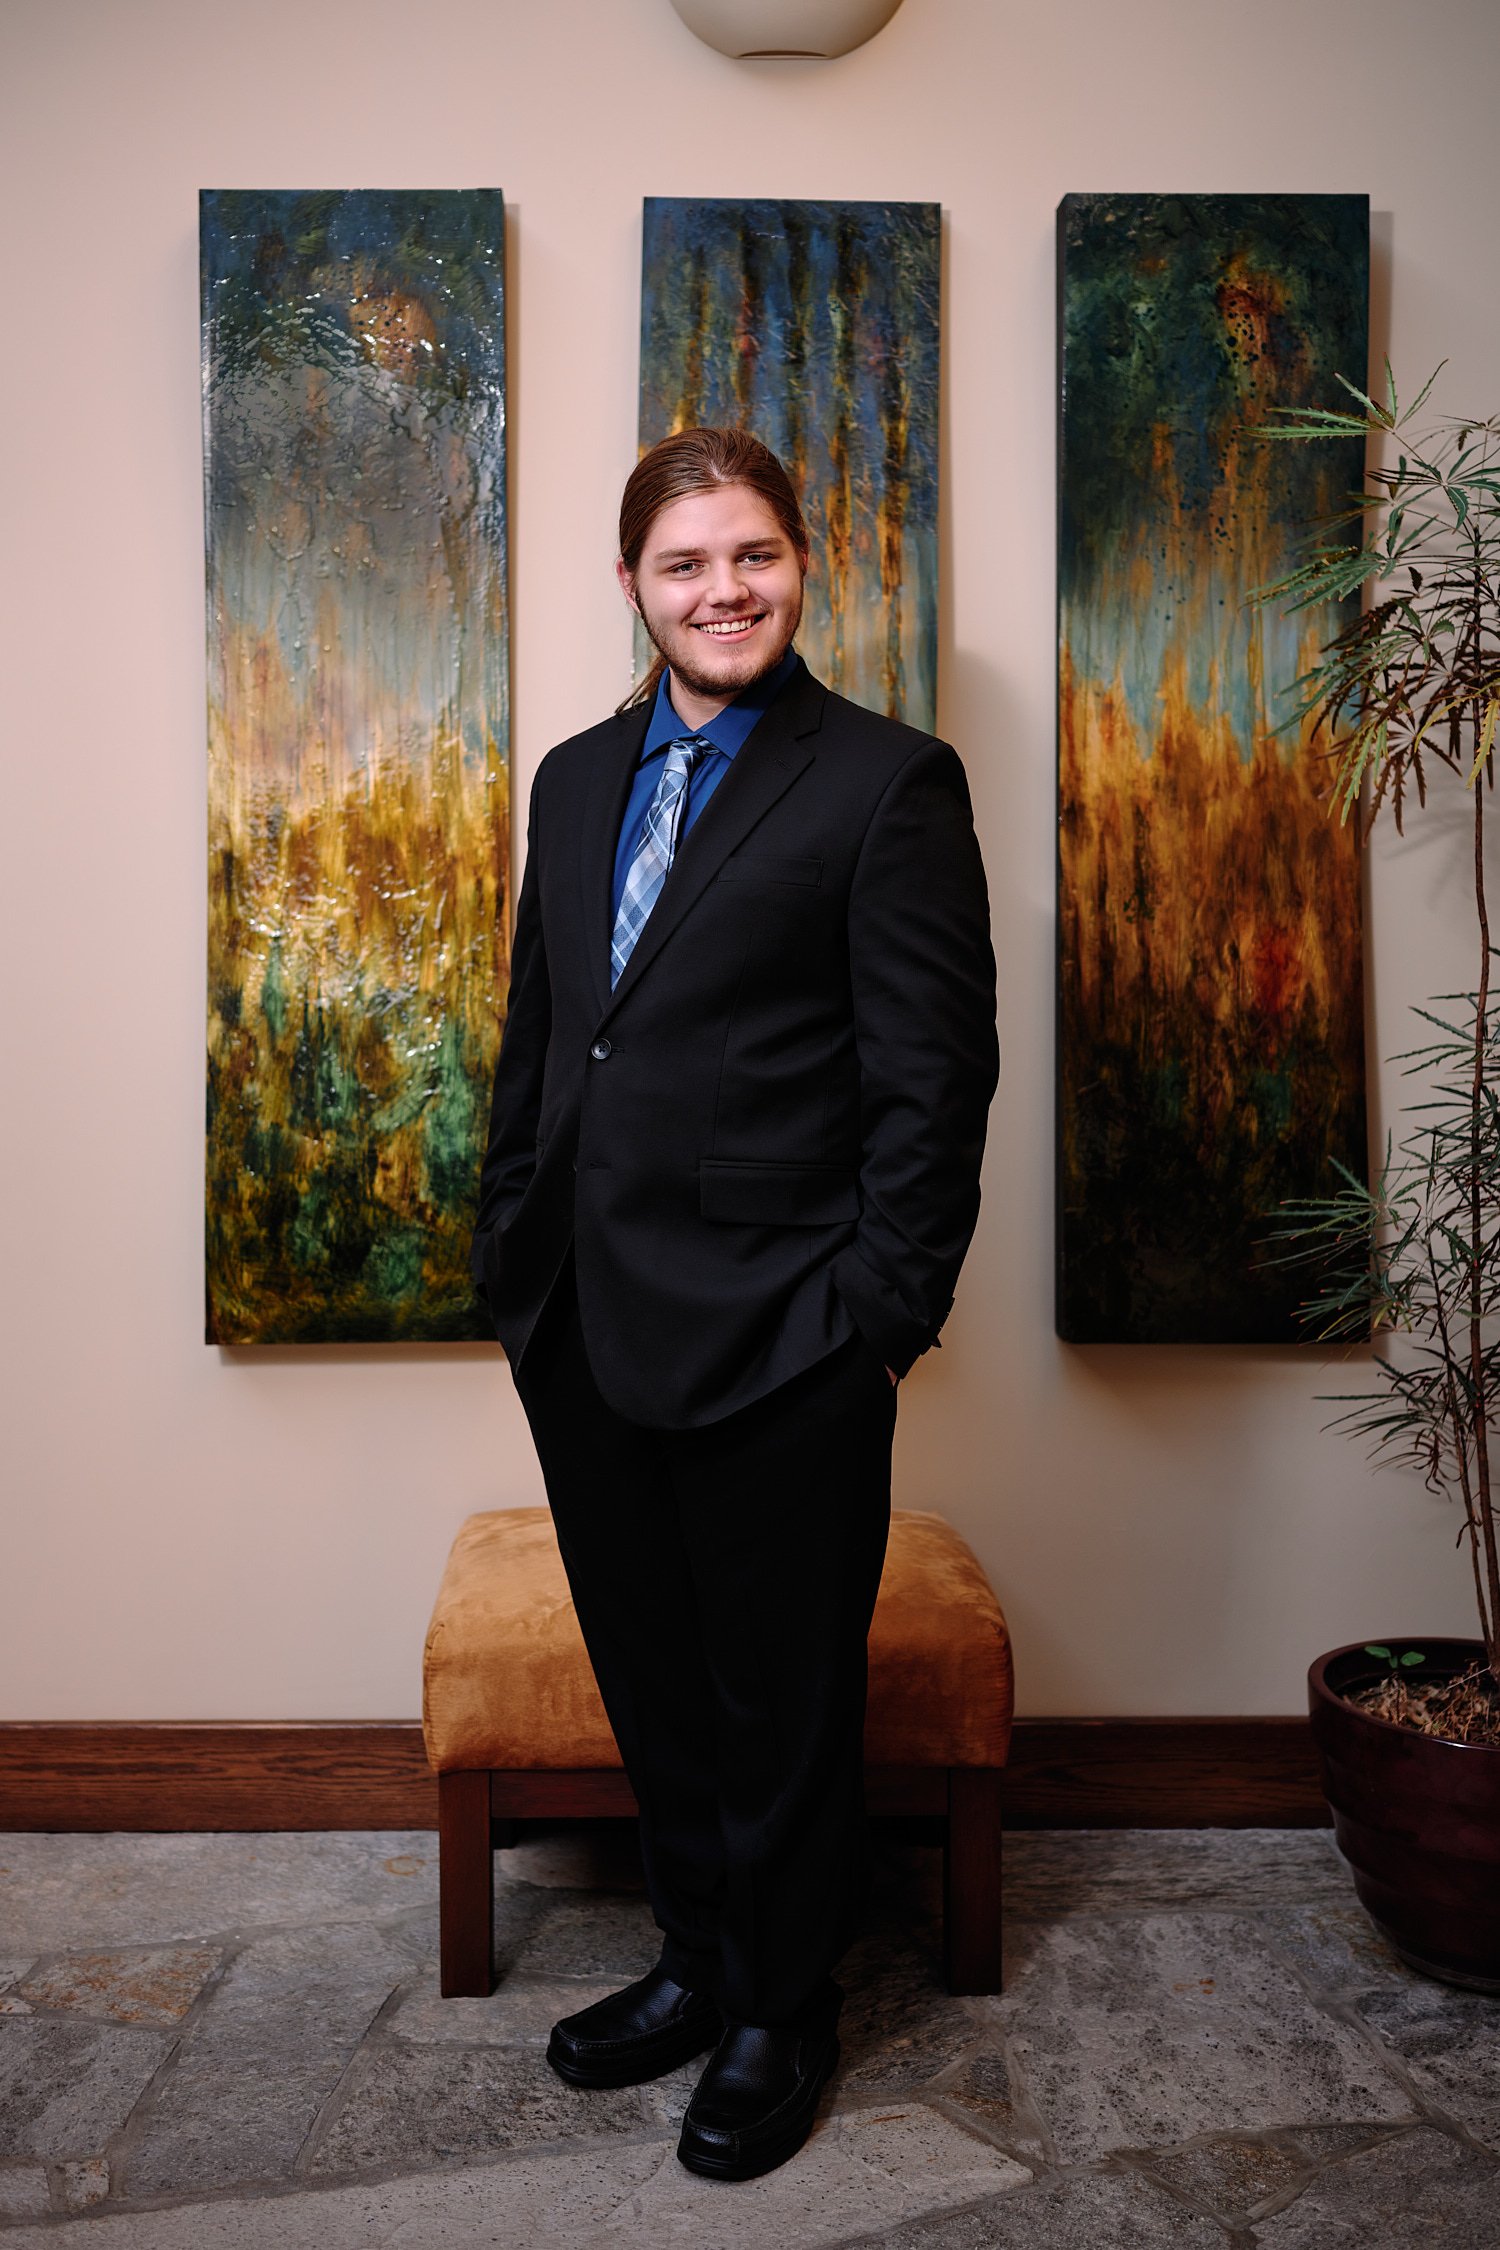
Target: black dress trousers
{"type": "Point", "coordinates": [725, 1577]}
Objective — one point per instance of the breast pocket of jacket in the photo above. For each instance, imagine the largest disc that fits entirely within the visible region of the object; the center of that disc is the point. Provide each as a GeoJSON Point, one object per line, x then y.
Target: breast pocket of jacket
{"type": "Point", "coordinates": [770, 867]}
{"type": "Point", "coordinates": [776, 1195]}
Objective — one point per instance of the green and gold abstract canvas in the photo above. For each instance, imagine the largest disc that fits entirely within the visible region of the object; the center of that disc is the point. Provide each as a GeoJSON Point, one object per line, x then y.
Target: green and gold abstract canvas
{"type": "Point", "coordinates": [354, 435]}
{"type": "Point", "coordinates": [815, 325]}
{"type": "Point", "coordinates": [1211, 1060]}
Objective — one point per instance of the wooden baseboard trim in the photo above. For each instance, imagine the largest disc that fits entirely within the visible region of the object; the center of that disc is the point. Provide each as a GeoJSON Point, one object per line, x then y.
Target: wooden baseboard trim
{"type": "Point", "coordinates": [242, 1774]}
{"type": "Point", "coordinates": [1063, 1773]}
{"type": "Point", "coordinates": [1164, 1773]}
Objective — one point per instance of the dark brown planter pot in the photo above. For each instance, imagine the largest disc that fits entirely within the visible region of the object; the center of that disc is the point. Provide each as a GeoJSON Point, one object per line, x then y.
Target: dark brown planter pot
{"type": "Point", "coordinates": [1417, 1819]}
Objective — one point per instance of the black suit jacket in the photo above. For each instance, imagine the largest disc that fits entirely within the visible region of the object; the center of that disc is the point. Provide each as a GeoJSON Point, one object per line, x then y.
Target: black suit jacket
{"type": "Point", "coordinates": [769, 1134]}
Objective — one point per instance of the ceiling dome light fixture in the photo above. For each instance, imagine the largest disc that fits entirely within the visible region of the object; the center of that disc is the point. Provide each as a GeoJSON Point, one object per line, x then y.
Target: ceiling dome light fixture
{"type": "Point", "coordinates": [785, 30]}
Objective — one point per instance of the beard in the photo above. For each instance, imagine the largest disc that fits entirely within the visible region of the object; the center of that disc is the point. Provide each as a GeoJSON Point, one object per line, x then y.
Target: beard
{"type": "Point", "coordinates": [674, 644]}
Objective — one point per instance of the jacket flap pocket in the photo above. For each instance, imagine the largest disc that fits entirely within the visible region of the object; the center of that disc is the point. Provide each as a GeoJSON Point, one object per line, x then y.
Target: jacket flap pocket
{"type": "Point", "coordinates": [762, 867]}
{"type": "Point", "coordinates": [777, 1195]}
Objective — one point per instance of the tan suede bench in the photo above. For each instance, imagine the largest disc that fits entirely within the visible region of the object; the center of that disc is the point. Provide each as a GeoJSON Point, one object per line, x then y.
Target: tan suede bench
{"type": "Point", "coordinates": [515, 1729]}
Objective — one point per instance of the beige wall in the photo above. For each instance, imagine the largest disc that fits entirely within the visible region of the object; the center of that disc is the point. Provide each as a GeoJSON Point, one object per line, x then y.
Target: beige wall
{"type": "Point", "coordinates": [190, 1533]}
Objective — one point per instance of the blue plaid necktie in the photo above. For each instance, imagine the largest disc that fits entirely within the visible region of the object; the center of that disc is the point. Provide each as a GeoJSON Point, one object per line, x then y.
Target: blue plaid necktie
{"type": "Point", "coordinates": [653, 854]}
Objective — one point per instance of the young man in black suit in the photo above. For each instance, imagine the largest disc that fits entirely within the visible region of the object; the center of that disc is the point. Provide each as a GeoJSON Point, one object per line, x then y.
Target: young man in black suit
{"type": "Point", "coordinates": [732, 1173]}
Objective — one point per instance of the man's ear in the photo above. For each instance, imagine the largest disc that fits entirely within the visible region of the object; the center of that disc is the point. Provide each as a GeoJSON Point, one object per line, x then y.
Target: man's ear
{"type": "Point", "coordinates": [627, 583]}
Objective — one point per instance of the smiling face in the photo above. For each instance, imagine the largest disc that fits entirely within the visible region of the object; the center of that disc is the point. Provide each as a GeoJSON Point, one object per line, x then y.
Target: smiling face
{"type": "Point", "coordinates": [719, 590]}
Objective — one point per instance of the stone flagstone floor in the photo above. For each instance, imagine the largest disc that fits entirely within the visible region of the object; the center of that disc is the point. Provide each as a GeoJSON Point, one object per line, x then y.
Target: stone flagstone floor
{"type": "Point", "coordinates": [236, 2042]}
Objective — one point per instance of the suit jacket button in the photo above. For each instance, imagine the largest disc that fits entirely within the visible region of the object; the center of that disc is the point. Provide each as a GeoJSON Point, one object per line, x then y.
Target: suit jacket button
{"type": "Point", "coordinates": [601, 1050]}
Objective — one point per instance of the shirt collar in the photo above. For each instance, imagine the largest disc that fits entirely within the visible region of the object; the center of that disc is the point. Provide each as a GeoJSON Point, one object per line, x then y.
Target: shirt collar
{"type": "Point", "coordinates": [728, 730]}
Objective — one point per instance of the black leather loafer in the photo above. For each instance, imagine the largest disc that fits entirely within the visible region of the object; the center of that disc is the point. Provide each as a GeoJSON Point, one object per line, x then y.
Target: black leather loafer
{"type": "Point", "coordinates": [758, 2097]}
{"type": "Point", "coordinates": [650, 2027]}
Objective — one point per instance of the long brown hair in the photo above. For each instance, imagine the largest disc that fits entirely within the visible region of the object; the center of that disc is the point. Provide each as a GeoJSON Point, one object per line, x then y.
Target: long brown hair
{"type": "Point", "coordinates": [699, 461]}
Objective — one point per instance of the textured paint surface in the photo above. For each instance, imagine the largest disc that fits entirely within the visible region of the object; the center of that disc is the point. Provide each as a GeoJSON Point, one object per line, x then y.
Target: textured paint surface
{"type": "Point", "coordinates": [1211, 1041]}
{"type": "Point", "coordinates": [354, 433]}
{"type": "Point", "coordinates": [816, 326]}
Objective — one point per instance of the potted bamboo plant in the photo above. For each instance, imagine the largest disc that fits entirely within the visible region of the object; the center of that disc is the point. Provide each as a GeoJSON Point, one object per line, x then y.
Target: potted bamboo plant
{"type": "Point", "coordinates": [1403, 700]}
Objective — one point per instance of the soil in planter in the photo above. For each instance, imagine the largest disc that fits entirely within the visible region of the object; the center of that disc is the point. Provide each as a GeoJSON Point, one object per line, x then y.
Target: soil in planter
{"type": "Point", "coordinates": [1465, 1709]}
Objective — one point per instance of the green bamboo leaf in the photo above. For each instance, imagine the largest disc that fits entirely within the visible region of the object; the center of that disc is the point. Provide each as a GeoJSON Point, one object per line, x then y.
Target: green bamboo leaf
{"type": "Point", "coordinates": [1366, 750]}
{"type": "Point", "coordinates": [1310, 422]}
{"type": "Point", "coordinates": [1354, 391]}
{"type": "Point", "coordinates": [1421, 398]}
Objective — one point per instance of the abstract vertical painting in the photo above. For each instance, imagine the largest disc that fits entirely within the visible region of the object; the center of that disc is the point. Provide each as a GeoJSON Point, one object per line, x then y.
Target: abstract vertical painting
{"type": "Point", "coordinates": [815, 325]}
{"type": "Point", "coordinates": [358, 718]}
{"type": "Point", "coordinates": [1211, 1055]}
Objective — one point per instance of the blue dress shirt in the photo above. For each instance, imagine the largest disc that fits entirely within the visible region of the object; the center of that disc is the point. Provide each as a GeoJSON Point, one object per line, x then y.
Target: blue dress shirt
{"type": "Point", "coordinates": [727, 733]}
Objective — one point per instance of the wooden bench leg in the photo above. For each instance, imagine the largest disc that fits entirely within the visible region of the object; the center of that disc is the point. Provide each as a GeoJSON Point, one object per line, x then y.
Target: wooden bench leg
{"type": "Point", "coordinates": [971, 1880]}
{"type": "Point", "coordinates": [466, 1886]}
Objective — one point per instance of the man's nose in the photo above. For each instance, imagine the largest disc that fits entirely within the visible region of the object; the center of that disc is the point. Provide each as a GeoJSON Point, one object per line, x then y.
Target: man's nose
{"type": "Point", "coordinates": [725, 584]}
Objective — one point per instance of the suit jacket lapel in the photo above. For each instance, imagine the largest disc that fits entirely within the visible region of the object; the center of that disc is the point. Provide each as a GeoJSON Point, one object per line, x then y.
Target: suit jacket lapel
{"type": "Point", "coordinates": [604, 809]}
{"type": "Point", "coordinates": [771, 758]}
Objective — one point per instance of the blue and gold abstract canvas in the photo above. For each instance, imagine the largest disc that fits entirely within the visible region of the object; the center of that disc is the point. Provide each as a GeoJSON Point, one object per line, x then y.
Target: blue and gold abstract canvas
{"type": "Point", "coordinates": [815, 325]}
{"type": "Point", "coordinates": [1211, 1049]}
{"type": "Point", "coordinates": [354, 436]}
